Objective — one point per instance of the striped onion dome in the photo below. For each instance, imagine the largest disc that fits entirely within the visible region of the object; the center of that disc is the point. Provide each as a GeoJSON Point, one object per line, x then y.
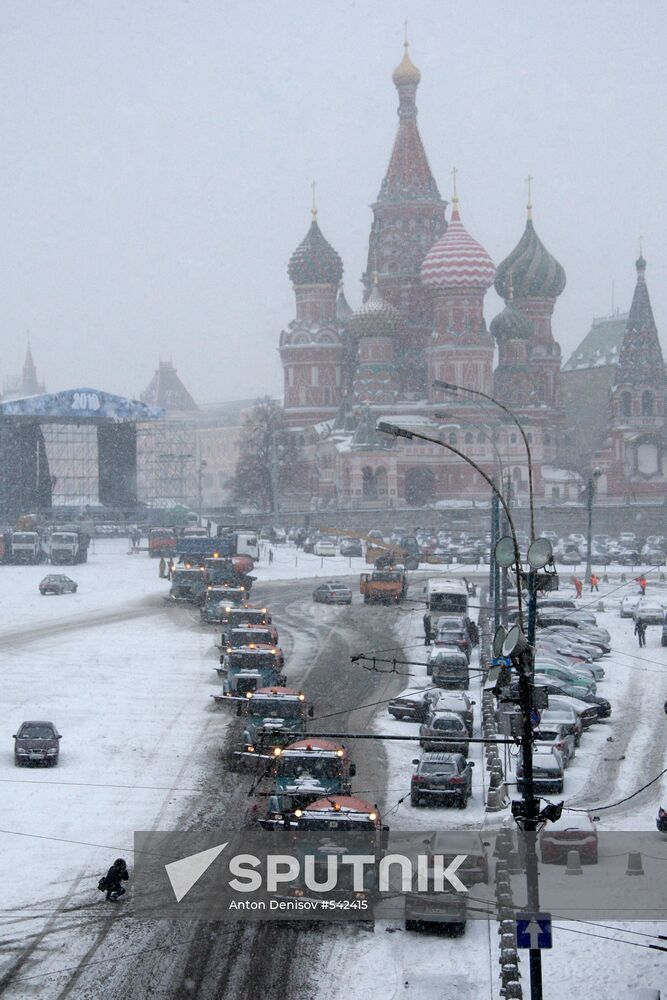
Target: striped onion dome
{"type": "Point", "coordinates": [375, 318]}
{"type": "Point", "coordinates": [534, 272]}
{"type": "Point", "coordinates": [457, 260]}
{"type": "Point", "coordinates": [511, 324]}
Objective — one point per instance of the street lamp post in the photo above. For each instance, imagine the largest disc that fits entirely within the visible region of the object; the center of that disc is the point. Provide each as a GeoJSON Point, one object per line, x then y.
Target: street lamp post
{"type": "Point", "coordinates": [521, 651]}
{"type": "Point", "coordinates": [453, 387]}
{"type": "Point", "coordinates": [590, 496]}
{"type": "Point", "coordinates": [394, 431]}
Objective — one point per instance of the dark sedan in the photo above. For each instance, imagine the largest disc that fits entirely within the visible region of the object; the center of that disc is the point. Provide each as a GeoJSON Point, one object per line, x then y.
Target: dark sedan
{"type": "Point", "coordinates": [56, 583]}
{"type": "Point", "coordinates": [36, 743]}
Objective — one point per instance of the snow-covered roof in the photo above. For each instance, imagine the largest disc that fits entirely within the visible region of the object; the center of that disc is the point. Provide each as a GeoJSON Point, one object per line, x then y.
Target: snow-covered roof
{"type": "Point", "coordinates": [552, 475]}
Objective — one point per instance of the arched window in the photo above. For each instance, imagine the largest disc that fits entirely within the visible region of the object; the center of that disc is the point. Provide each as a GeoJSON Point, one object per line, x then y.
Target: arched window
{"type": "Point", "coordinates": [512, 438]}
{"type": "Point", "coordinates": [480, 438]}
{"type": "Point", "coordinates": [452, 438]}
{"type": "Point", "coordinates": [547, 438]}
{"type": "Point", "coordinates": [469, 438]}
{"type": "Point", "coordinates": [626, 404]}
{"type": "Point", "coordinates": [529, 437]}
{"type": "Point", "coordinates": [647, 404]}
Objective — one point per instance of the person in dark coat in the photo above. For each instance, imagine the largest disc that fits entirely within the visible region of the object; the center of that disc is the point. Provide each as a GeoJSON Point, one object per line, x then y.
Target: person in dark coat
{"type": "Point", "coordinates": [117, 873]}
{"type": "Point", "coordinates": [473, 632]}
{"type": "Point", "coordinates": [427, 629]}
{"type": "Point", "coordinates": [640, 631]}
{"type": "Point", "coordinates": [162, 568]}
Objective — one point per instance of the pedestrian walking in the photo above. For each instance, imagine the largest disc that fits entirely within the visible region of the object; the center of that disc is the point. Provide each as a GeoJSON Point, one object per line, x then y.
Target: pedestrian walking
{"type": "Point", "coordinates": [640, 632]}
{"type": "Point", "coordinates": [427, 629]}
{"type": "Point", "coordinates": [641, 580]}
{"type": "Point", "coordinates": [162, 568]}
{"type": "Point", "coordinates": [473, 632]}
{"type": "Point", "coordinates": [170, 569]}
{"type": "Point", "coordinates": [578, 586]}
{"type": "Point", "coordinates": [595, 580]}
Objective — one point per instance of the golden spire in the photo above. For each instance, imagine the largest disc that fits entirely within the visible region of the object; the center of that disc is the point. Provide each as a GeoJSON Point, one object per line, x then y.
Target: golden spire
{"type": "Point", "coordinates": [313, 210]}
{"type": "Point", "coordinates": [529, 206]}
{"type": "Point", "coordinates": [641, 246]}
{"type": "Point", "coordinates": [455, 197]}
{"type": "Point", "coordinates": [406, 71]}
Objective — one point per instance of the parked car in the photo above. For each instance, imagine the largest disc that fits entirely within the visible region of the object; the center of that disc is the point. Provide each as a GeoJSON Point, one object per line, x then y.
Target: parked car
{"type": "Point", "coordinates": [566, 716]}
{"type": "Point", "coordinates": [547, 772]}
{"type": "Point", "coordinates": [444, 725]}
{"type": "Point", "coordinates": [332, 593]}
{"type": "Point", "coordinates": [350, 547]}
{"type": "Point", "coordinates": [650, 612]}
{"type": "Point", "coordinates": [589, 707]}
{"type": "Point", "coordinates": [56, 583]}
{"type": "Point", "coordinates": [559, 737]}
{"type": "Point", "coordinates": [448, 845]}
{"type": "Point", "coordinates": [441, 776]}
{"type": "Point", "coordinates": [449, 667]}
{"type": "Point", "coordinates": [572, 832]}
{"type": "Point", "coordinates": [454, 701]}
{"type": "Point", "coordinates": [36, 743]}
{"type": "Point", "coordinates": [430, 909]}
{"type": "Point", "coordinates": [324, 547]}
{"type": "Point", "coordinates": [457, 638]}
{"type": "Point", "coordinates": [413, 704]}
{"type": "Point", "coordinates": [565, 676]}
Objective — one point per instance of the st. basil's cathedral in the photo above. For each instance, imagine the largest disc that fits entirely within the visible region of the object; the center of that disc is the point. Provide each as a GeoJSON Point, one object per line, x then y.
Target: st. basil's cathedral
{"type": "Point", "coordinates": [422, 320]}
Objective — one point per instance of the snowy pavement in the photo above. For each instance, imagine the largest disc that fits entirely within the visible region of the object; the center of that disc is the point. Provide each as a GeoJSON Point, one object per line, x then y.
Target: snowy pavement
{"type": "Point", "coordinates": [128, 696]}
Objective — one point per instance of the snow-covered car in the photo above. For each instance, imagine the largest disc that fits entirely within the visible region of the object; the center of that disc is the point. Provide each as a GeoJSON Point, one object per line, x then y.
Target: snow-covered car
{"type": "Point", "coordinates": [413, 704]}
{"type": "Point", "coordinates": [454, 701]}
{"type": "Point", "coordinates": [439, 726]}
{"type": "Point", "coordinates": [650, 612]}
{"type": "Point", "coordinates": [441, 776]}
{"type": "Point", "coordinates": [566, 716]}
{"type": "Point", "coordinates": [570, 556]}
{"type": "Point", "coordinates": [589, 707]}
{"type": "Point", "coordinates": [36, 743]}
{"type": "Point", "coordinates": [572, 832]}
{"type": "Point", "coordinates": [57, 583]}
{"type": "Point", "coordinates": [547, 771]}
{"type": "Point", "coordinates": [628, 605]}
{"type": "Point", "coordinates": [350, 547]}
{"type": "Point", "coordinates": [324, 548]}
{"type": "Point", "coordinates": [332, 593]}
{"type": "Point", "coordinates": [559, 737]}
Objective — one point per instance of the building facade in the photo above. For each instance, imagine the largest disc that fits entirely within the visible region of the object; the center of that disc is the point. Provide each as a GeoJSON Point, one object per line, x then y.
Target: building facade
{"type": "Point", "coordinates": [421, 319]}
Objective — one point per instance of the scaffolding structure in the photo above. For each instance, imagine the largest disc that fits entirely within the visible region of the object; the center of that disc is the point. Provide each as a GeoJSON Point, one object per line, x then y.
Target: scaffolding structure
{"type": "Point", "coordinates": [167, 463]}
{"type": "Point", "coordinates": [72, 454]}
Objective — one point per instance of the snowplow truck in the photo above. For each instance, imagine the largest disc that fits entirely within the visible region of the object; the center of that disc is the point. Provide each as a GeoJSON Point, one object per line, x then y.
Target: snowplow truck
{"type": "Point", "coordinates": [384, 586]}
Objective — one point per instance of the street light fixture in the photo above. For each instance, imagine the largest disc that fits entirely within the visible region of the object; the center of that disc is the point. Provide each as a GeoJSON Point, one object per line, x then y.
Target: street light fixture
{"type": "Point", "coordinates": [453, 387]}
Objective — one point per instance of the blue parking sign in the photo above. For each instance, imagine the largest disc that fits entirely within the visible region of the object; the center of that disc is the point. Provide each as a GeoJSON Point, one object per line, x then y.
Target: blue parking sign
{"type": "Point", "coordinates": [533, 930]}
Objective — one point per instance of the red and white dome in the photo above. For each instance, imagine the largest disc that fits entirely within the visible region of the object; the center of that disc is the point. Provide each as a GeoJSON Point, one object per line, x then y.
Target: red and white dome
{"type": "Point", "coordinates": [457, 260]}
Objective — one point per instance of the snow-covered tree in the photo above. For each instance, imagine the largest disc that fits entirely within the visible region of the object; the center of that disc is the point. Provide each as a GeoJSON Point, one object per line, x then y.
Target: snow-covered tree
{"type": "Point", "coordinates": [267, 457]}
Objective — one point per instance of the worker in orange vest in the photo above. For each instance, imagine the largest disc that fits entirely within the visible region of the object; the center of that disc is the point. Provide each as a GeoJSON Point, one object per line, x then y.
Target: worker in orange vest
{"type": "Point", "coordinates": [641, 580]}
{"type": "Point", "coordinates": [594, 583]}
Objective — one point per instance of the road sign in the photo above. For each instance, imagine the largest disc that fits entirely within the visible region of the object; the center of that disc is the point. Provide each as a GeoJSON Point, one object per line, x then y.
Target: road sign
{"type": "Point", "coordinates": [533, 930]}
{"type": "Point", "coordinates": [535, 717]}
{"type": "Point", "coordinates": [501, 661]}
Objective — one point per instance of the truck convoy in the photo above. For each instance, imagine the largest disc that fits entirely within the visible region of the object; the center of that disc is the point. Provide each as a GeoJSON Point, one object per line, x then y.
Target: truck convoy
{"type": "Point", "coordinates": [249, 668]}
{"type": "Point", "coordinates": [218, 601]}
{"type": "Point", "coordinates": [161, 542]}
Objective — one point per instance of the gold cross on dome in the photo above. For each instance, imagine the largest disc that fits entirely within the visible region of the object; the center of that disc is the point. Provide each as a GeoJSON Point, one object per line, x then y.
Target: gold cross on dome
{"type": "Point", "coordinates": [529, 206]}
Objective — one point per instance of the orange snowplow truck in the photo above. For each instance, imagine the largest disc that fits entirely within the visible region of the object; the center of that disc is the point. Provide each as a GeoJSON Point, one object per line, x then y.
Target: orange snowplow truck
{"type": "Point", "coordinates": [384, 586]}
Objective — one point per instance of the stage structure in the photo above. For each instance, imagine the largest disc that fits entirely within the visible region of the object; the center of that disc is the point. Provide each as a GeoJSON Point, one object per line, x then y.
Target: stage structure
{"type": "Point", "coordinates": [72, 448]}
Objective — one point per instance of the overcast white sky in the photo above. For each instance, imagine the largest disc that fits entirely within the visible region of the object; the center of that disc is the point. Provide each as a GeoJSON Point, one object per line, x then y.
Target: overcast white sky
{"type": "Point", "coordinates": [157, 156]}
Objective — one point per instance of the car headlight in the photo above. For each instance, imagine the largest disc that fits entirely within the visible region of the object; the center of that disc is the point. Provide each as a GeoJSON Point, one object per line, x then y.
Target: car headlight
{"type": "Point", "coordinates": [51, 752]}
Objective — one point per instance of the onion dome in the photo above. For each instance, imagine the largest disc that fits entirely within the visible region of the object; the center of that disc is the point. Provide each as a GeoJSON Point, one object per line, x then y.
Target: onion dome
{"type": "Point", "coordinates": [376, 318]}
{"type": "Point", "coordinates": [510, 324]}
{"type": "Point", "coordinates": [535, 273]}
{"type": "Point", "coordinates": [406, 71]}
{"type": "Point", "coordinates": [457, 260]}
{"type": "Point", "coordinates": [315, 262]}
